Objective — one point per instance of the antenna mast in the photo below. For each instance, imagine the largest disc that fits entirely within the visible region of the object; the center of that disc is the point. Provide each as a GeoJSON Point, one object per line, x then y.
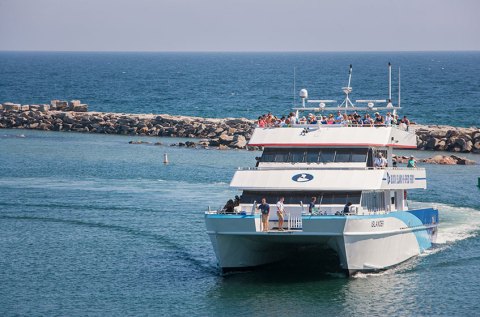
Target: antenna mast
{"type": "Point", "coordinates": [347, 90]}
{"type": "Point", "coordinates": [294, 89]}
{"type": "Point", "coordinates": [398, 86]}
{"type": "Point", "coordinates": [389, 103]}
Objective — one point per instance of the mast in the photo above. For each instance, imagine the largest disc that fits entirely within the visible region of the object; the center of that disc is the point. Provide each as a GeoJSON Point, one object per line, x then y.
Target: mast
{"type": "Point", "coordinates": [294, 89]}
{"type": "Point", "coordinates": [398, 86]}
{"type": "Point", "coordinates": [347, 90]}
{"type": "Point", "coordinates": [389, 82]}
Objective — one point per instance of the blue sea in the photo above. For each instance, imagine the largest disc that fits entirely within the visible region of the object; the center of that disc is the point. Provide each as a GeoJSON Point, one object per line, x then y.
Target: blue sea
{"type": "Point", "coordinates": [436, 87]}
{"type": "Point", "coordinates": [92, 225]}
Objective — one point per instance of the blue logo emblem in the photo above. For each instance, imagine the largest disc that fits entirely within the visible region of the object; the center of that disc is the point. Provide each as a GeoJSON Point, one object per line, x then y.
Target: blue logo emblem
{"type": "Point", "coordinates": [302, 178]}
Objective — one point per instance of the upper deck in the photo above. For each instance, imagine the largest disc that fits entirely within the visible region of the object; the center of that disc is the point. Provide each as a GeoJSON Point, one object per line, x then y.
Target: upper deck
{"type": "Point", "coordinates": [317, 135]}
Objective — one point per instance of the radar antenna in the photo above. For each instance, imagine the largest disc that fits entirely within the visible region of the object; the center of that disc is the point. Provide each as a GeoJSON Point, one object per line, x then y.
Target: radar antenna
{"type": "Point", "coordinates": [347, 90]}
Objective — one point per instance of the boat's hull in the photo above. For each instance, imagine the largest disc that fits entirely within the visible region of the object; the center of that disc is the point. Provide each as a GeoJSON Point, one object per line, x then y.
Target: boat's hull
{"type": "Point", "coordinates": [362, 243]}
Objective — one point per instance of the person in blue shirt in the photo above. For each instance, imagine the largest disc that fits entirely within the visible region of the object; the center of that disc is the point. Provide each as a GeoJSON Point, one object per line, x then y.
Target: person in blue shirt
{"type": "Point", "coordinates": [265, 210]}
{"type": "Point", "coordinates": [346, 209]}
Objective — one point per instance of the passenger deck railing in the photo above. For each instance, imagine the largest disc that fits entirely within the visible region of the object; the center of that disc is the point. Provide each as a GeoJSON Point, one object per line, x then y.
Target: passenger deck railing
{"type": "Point", "coordinates": [283, 167]}
{"type": "Point", "coordinates": [317, 126]}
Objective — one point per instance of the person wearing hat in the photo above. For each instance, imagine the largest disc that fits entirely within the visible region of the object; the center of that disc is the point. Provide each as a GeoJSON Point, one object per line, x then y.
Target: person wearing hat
{"type": "Point", "coordinates": [411, 162]}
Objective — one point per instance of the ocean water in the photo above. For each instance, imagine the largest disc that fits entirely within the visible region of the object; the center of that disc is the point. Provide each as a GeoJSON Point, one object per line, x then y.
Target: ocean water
{"type": "Point", "coordinates": [437, 87]}
{"type": "Point", "coordinates": [92, 225]}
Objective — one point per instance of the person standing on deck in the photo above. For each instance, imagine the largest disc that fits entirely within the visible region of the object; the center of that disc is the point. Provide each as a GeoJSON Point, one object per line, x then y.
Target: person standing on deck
{"type": "Point", "coordinates": [280, 213]}
{"type": "Point", "coordinates": [311, 206]}
{"type": "Point", "coordinates": [411, 162]}
{"type": "Point", "coordinates": [265, 210]}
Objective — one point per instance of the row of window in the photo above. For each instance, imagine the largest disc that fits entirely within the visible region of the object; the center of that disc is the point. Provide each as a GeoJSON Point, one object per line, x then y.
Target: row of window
{"type": "Point", "coordinates": [293, 198]}
{"type": "Point", "coordinates": [314, 155]}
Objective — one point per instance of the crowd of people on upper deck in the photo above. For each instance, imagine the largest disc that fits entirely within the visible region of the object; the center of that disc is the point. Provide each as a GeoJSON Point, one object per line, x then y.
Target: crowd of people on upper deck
{"type": "Point", "coordinates": [352, 119]}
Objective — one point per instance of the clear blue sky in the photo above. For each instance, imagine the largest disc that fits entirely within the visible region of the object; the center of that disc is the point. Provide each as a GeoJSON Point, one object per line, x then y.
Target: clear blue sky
{"type": "Point", "coordinates": [239, 25]}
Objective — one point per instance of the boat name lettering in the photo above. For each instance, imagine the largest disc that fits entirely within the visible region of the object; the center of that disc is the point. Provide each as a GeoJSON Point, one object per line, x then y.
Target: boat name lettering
{"type": "Point", "coordinates": [377, 223]}
{"type": "Point", "coordinates": [401, 179]}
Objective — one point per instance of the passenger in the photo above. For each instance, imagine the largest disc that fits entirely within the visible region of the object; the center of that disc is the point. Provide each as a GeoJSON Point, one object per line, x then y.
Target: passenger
{"type": "Point", "coordinates": [368, 120]}
{"type": "Point", "coordinates": [311, 119]}
{"type": "Point", "coordinates": [345, 121]}
{"type": "Point", "coordinates": [261, 122]}
{"type": "Point", "coordinates": [405, 121]}
{"type": "Point", "coordinates": [388, 119]}
{"type": "Point", "coordinates": [339, 117]}
{"type": "Point", "coordinates": [378, 119]}
{"type": "Point", "coordinates": [270, 120]}
{"type": "Point", "coordinates": [303, 120]}
{"type": "Point", "coordinates": [330, 119]}
{"type": "Point", "coordinates": [265, 210]}
{"type": "Point", "coordinates": [280, 213]}
{"type": "Point", "coordinates": [324, 120]}
{"type": "Point", "coordinates": [346, 209]}
{"type": "Point", "coordinates": [380, 161]}
{"type": "Point", "coordinates": [311, 205]}
{"type": "Point", "coordinates": [229, 207]}
{"type": "Point", "coordinates": [411, 162]}
{"type": "Point", "coordinates": [293, 119]}
{"type": "Point", "coordinates": [395, 120]}
{"type": "Point", "coordinates": [236, 202]}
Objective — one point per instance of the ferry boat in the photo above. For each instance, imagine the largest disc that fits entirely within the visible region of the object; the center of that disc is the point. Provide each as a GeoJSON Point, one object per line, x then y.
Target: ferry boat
{"type": "Point", "coordinates": [360, 212]}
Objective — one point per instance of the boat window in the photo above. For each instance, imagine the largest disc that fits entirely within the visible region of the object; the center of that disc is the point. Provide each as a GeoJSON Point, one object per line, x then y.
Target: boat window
{"type": "Point", "coordinates": [373, 201]}
{"type": "Point", "coordinates": [281, 157]}
{"type": "Point", "coordinates": [294, 198]}
{"type": "Point", "coordinates": [343, 155]}
{"type": "Point", "coordinates": [268, 156]}
{"type": "Point", "coordinates": [312, 156]}
{"type": "Point", "coordinates": [327, 156]}
{"type": "Point", "coordinates": [359, 155]}
{"type": "Point", "coordinates": [297, 156]}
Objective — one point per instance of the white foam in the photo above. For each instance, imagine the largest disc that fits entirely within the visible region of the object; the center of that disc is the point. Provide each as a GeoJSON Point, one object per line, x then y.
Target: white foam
{"type": "Point", "coordinates": [456, 223]}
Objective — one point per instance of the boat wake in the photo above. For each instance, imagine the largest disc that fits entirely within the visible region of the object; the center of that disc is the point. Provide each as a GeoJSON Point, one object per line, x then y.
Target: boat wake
{"type": "Point", "coordinates": [456, 223]}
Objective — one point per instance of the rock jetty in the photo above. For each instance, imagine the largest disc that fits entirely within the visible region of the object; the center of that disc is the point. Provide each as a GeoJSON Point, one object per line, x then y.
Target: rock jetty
{"type": "Point", "coordinates": [220, 133]}
{"type": "Point", "coordinates": [438, 159]}
{"type": "Point", "coordinates": [74, 116]}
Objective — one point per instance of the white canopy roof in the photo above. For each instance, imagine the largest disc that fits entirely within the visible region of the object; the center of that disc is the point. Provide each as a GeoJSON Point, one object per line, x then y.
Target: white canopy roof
{"type": "Point", "coordinates": [329, 179]}
{"type": "Point", "coordinates": [333, 135]}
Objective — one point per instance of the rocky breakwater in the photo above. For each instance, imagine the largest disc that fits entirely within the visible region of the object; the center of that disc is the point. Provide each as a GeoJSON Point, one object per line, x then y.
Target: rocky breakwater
{"type": "Point", "coordinates": [447, 138]}
{"type": "Point", "coordinates": [222, 133]}
{"type": "Point", "coordinates": [73, 116]}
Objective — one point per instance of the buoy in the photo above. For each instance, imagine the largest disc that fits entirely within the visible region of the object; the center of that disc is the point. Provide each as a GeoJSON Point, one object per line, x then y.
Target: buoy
{"type": "Point", "coordinates": [165, 158]}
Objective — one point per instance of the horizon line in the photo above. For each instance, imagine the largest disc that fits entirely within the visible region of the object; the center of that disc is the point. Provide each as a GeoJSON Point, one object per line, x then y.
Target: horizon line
{"type": "Point", "coordinates": [240, 51]}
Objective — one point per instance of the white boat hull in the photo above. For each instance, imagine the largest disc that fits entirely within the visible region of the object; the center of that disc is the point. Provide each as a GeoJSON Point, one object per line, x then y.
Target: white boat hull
{"type": "Point", "coordinates": [362, 243]}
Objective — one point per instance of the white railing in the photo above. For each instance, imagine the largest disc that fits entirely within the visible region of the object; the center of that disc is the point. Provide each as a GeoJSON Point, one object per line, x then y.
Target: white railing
{"type": "Point", "coordinates": [285, 167]}
{"type": "Point", "coordinates": [316, 126]}
{"type": "Point", "coordinates": [294, 222]}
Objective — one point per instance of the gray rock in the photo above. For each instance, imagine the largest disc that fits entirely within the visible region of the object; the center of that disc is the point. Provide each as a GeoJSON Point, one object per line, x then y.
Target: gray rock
{"type": "Point", "coordinates": [225, 139]}
{"type": "Point", "coordinates": [239, 142]}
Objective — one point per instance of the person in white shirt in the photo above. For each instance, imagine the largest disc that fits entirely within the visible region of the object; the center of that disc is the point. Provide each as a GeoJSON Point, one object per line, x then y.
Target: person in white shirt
{"type": "Point", "coordinates": [380, 161]}
{"type": "Point", "coordinates": [280, 213]}
{"type": "Point", "coordinates": [388, 119]}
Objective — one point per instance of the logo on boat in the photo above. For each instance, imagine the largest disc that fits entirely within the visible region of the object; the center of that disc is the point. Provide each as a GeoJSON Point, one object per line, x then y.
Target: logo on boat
{"type": "Point", "coordinates": [302, 178]}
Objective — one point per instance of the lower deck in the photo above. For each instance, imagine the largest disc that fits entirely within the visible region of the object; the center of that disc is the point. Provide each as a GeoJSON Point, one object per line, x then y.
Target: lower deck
{"type": "Point", "coordinates": [362, 242]}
